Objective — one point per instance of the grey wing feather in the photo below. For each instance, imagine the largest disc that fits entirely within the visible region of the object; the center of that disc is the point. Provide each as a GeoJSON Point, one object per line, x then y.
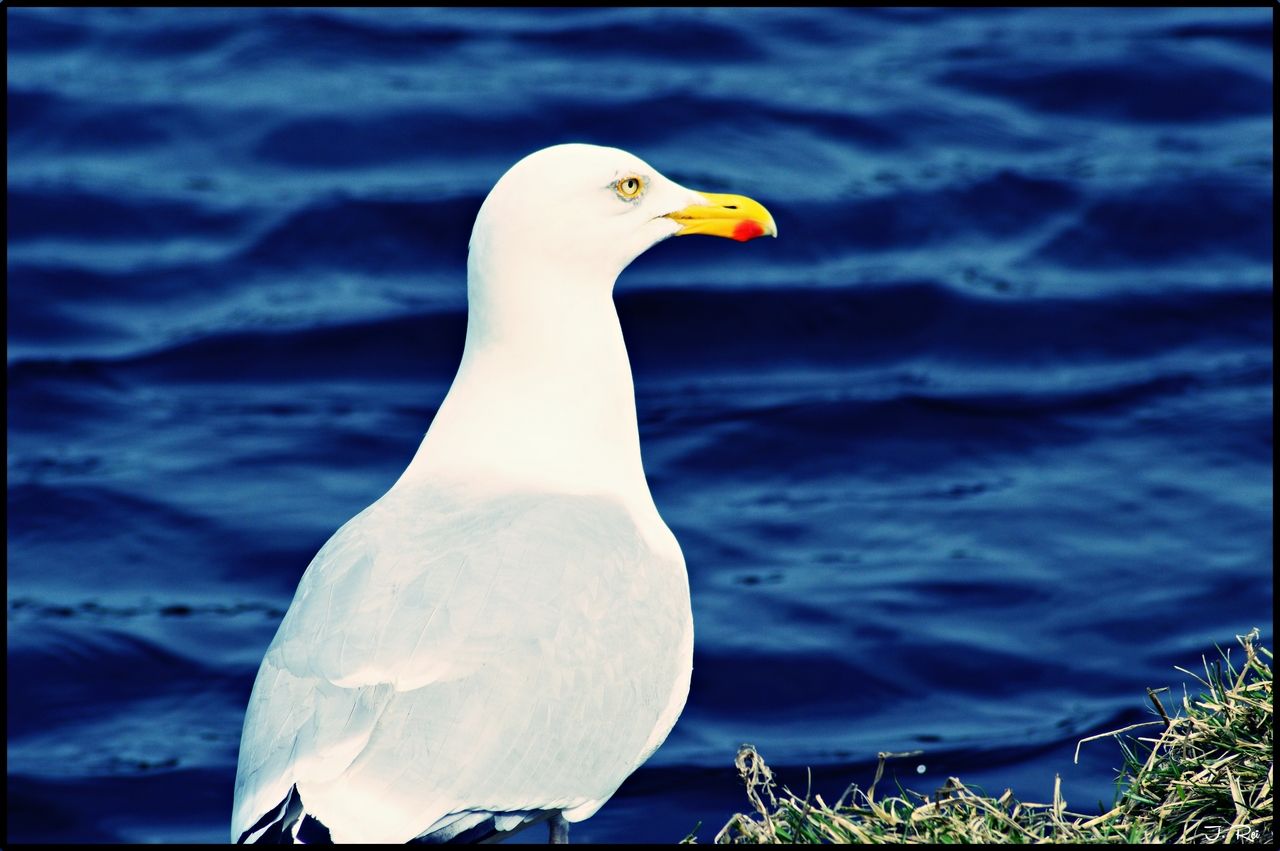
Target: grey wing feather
{"type": "Point", "coordinates": [441, 656]}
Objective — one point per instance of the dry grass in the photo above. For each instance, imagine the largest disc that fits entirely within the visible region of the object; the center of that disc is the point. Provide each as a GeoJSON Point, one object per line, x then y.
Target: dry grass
{"type": "Point", "coordinates": [1205, 777]}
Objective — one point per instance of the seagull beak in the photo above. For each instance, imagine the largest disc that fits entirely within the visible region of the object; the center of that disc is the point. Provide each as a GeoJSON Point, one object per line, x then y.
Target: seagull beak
{"type": "Point", "coordinates": [734, 216]}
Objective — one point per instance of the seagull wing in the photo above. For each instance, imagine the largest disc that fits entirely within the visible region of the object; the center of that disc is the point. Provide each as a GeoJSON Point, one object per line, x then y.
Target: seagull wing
{"type": "Point", "coordinates": [448, 659]}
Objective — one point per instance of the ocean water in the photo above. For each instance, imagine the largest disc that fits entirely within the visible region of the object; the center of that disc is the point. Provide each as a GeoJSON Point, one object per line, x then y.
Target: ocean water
{"type": "Point", "coordinates": [978, 449]}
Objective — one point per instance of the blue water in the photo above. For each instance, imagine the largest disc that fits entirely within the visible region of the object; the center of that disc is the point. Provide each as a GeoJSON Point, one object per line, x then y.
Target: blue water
{"type": "Point", "coordinates": [978, 449]}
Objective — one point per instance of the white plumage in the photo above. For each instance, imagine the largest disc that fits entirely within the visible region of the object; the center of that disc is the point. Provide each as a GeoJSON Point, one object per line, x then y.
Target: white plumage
{"type": "Point", "coordinates": [506, 634]}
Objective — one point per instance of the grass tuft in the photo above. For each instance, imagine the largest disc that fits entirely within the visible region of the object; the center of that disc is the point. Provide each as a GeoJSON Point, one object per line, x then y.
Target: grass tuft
{"type": "Point", "coordinates": [1205, 777]}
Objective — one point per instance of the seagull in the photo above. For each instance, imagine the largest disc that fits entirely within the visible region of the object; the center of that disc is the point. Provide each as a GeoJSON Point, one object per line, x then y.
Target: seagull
{"type": "Point", "coordinates": [505, 635]}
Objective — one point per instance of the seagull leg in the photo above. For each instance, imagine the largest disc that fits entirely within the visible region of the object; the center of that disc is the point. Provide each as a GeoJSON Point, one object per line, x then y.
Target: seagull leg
{"type": "Point", "coordinates": [559, 831]}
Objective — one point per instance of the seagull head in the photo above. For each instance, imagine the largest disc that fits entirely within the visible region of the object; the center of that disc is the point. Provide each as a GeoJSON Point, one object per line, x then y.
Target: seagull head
{"type": "Point", "coordinates": [587, 211]}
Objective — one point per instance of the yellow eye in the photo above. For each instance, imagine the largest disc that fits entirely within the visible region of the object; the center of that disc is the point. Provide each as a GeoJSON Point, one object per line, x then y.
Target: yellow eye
{"type": "Point", "coordinates": [629, 187]}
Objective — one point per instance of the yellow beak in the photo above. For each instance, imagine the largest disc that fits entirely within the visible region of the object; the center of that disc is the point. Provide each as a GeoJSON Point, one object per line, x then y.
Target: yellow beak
{"type": "Point", "coordinates": [734, 216]}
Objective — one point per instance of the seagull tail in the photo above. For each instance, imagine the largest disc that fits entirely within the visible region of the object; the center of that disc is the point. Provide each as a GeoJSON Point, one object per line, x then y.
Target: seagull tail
{"type": "Point", "coordinates": [287, 824]}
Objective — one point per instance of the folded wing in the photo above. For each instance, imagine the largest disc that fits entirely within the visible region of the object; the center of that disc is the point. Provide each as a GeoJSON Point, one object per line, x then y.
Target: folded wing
{"type": "Point", "coordinates": [446, 656]}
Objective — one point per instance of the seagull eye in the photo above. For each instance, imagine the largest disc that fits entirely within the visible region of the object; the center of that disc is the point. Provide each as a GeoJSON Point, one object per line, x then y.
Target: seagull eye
{"type": "Point", "coordinates": [629, 188]}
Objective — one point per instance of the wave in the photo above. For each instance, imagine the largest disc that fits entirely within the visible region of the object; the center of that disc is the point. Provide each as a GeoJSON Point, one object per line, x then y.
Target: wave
{"type": "Point", "coordinates": [1165, 224]}
{"type": "Point", "coordinates": [38, 33]}
{"type": "Point", "coordinates": [53, 666]}
{"type": "Point", "coordinates": [38, 213]}
{"type": "Point", "coordinates": [343, 140]}
{"type": "Point", "coordinates": [310, 34]}
{"type": "Point", "coordinates": [1259, 34]}
{"type": "Point", "coordinates": [22, 609]}
{"type": "Point", "coordinates": [696, 41]}
{"type": "Point", "coordinates": [369, 234]}
{"type": "Point", "coordinates": [49, 122]}
{"type": "Point", "coordinates": [1151, 223]}
{"type": "Point", "coordinates": [999, 206]}
{"type": "Point", "coordinates": [1165, 88]}
{"type": "Point", "coordinates": [712, 329]}
{"type": "Point", "coordinates": [700, 329]}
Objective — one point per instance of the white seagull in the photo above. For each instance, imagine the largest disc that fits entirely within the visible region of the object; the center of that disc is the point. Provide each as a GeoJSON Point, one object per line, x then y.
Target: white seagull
{"type": "Point", "coordinates": [505, 635]}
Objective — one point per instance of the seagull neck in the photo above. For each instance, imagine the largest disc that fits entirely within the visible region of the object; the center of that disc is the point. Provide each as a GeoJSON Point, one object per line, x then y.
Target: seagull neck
{"type": "Point", "coordinates": [543, 397]}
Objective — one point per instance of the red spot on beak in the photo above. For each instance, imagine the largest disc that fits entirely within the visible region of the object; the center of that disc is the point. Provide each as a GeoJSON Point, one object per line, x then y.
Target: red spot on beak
{"type": "Point", "coordinates": [747, 229]}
